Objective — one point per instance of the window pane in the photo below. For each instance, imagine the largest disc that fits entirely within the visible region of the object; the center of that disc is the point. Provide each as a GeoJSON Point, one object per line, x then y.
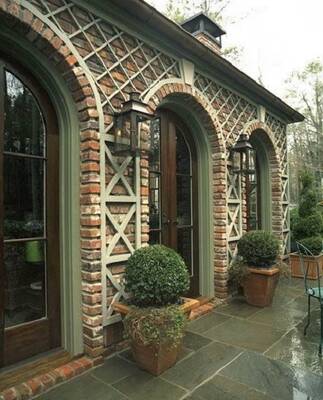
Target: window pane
{"type": "Point", "coordinates": [154, 237]}
{"type": "Point", "coordinates": [23, 197]}
{"type": "Point", "coordinates": [185, 247]}
{"type": "Point", "coordinates": [24, 130]}
{"type": "Point", "coordinates": [25, 283]}
{"type": "Point", "coordinates": [154, 201]}
{"type": "Point", "coordinates": [183, 156]}
{"type": "Point", "coordinates": [154, 145]}
{"type": "Point", "coordinates": [183, 200]}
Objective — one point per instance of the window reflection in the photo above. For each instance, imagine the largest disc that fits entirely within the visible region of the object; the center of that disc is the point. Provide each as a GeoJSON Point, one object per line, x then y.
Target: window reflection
{"type": "Point", "coordinates": [154, 183]}
{"type": "Point", "coordinates": [24, 176]}
{"type": "Point", "coordinates": [24, 125]}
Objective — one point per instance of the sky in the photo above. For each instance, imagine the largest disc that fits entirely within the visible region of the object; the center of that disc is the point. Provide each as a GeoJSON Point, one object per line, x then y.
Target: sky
{"type": "Point", "coordinates": [278, 36]}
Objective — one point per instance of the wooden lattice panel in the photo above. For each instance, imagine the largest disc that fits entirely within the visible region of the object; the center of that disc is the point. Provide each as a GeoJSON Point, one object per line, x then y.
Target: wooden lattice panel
{"type": "Point", "coordinates": [119, 62]}
{"type": "Point", "coordinates": [233, 111]}
{"type": "Point", "coordinates": [280, 135]}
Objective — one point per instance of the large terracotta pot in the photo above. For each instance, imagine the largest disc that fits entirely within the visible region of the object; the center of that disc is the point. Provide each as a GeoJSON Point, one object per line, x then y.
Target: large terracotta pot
{"type": "Point", "coordinates": [311, 262]}
{"type": "Point", "coordinates": [259, 286]}
{"type": "Point", "coordinates": [155, 359]}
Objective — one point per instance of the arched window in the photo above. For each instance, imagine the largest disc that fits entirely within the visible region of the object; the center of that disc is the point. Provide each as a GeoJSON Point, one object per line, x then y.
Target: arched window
{"type": "Point", "coordinates": [258, 186]}
{"type": "Point", "coordinates": [29, 248]}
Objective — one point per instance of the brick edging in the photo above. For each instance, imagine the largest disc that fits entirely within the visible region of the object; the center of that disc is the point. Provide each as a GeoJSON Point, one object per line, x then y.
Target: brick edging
{"type": "Point", "coordinates": [42, 383]}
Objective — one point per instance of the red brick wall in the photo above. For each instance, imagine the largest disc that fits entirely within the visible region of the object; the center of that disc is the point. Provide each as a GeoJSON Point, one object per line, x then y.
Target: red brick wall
{"type": "Point", "coordinates": [101, 64]}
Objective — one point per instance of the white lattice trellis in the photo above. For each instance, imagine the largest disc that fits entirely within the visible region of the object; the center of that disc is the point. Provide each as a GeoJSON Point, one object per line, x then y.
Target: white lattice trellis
{"type": "Point", "coordinates": [232, 111]}
{"type": "Point", "coordinates": [234, 201]}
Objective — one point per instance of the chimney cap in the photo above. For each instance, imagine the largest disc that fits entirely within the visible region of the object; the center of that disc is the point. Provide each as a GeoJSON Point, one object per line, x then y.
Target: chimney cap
{"type": "Point", "coordinates": [202, 23]}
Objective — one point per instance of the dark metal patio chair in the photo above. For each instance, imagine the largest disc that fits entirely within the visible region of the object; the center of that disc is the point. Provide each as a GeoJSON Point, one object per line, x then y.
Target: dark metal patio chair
{"type": "Point", "coordinates": [313, 288]}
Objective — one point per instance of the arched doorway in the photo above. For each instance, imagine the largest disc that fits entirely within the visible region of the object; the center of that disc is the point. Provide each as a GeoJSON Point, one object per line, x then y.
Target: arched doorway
{"type": "Point", "coordinates": [173, 191]}
{"type": "Point", "coordinates": [29, 217]}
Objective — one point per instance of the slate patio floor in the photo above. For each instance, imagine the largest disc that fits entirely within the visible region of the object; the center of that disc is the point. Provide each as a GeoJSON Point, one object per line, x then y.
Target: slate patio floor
{"type": "Point", "coordinates": [237, 352]}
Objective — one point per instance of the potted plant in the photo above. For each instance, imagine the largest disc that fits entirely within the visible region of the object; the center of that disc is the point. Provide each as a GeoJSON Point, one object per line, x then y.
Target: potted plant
{"type": "Point", "coordinates": [307, 227]}
{"type": "Point", "coordinates": [156, 277]}
{"type": "Point", "coordinates": [259, 250]}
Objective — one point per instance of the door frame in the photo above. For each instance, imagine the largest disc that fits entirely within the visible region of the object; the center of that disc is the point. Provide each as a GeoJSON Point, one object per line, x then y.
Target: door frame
{"type": "Point", "coordinates": [205, 188]}
{"type": "Point", "coordinates": [24, 52]}
{"type": "Point", "coordinates": [48, 328]}
{"type": "Point", "coordinates": [170, 121]}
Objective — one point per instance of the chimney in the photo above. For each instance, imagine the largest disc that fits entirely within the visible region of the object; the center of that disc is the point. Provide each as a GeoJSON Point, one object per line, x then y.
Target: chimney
{"type": "Point", "coordinates": [206, 31]}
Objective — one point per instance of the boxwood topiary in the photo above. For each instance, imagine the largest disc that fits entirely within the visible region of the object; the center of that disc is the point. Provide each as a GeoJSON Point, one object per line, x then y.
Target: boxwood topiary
{"type": "Point", "coordinates": [313, 244]}
{"type": "Point", "coordinates": [307, 226]}
{"type": "Point", "coordinates": [258, 248]}
{"type": "Point", "coordinates": [156, 276]}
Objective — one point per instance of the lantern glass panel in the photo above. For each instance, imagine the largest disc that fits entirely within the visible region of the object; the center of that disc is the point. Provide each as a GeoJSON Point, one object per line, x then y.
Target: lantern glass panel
{"type": "Point", "coordinates": [250, 161]}
{"type": "Point", "coordinates": [236, 162]}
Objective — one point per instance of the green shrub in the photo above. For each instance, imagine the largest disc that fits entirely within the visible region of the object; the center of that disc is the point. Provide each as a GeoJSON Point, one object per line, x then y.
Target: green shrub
{"type": "Point", "coordinates": [308, 227]}
{"type": "Point", "coordinates": [237, 272]}
{"type": "Point", "coordinates": [258, 248]}
{"type": "Point", "coordinates": [313, 244]}
{"type": "Point", "coordinates": [307, 203]}
{"type": "Point", "coordinates": [155, 326]}
{"type": "Point", "coordinates": [156, 276]}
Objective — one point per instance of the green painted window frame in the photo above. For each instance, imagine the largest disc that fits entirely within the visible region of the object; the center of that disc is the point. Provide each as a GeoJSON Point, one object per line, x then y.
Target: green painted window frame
{"type": "Point", "coordinates": [69, 160]}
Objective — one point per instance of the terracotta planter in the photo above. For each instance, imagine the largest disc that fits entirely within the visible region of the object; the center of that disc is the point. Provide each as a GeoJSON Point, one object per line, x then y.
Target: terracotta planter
{"type": "Point", "coordinates": [155, 359]}
{"type": "Point", "coordinates": [259, 286]}
{"type": "Point", "coordinates": [296, 269]}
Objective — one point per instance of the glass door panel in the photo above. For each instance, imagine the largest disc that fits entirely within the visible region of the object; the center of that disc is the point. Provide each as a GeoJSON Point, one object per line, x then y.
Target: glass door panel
{"type": "Point", "coordinates": [24, 177]}
{"type": "Point", "coordinates": [172, 200]}
{"type": "Point", "coordinates": [155, 211]}
{"type": "Point", "coordinates": [184, 224]}
{"type": "Point", "coordinates": [29, 218]}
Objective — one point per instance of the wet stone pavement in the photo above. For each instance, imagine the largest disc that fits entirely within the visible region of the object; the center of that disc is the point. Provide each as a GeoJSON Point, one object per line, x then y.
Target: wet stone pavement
{"type": "Point", "coordinates": [237, 352]}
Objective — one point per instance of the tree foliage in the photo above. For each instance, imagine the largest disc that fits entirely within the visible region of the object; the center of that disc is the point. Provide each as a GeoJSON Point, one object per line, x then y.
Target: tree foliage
{"type": "Point", "coordinates": [305, 93]}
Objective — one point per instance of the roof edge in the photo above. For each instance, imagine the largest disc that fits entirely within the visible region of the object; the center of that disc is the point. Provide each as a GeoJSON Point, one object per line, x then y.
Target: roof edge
{"type": "Point", "coordinates": [151, 17]}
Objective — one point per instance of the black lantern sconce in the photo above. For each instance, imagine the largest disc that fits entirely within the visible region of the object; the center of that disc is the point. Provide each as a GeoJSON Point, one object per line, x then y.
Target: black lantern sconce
{"type": "Point", "coordinates": [243, 156]}
{"type": "Point", "coordinates": [133, 112]}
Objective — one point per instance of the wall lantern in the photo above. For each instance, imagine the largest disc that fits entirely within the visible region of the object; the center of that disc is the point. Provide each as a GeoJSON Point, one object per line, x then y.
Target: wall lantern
{"type": "Point", "coordinates": [127, 124]}
{"type": "Point", "coordinates": [243, 156]}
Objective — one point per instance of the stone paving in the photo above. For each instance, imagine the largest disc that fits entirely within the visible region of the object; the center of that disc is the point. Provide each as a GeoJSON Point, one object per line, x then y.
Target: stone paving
{"type": "Point", "coordinates": [236, 352]}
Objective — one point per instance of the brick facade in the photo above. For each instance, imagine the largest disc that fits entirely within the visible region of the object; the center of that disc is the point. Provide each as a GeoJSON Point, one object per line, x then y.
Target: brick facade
{"type": "Point", "coordinates": [101, 64]}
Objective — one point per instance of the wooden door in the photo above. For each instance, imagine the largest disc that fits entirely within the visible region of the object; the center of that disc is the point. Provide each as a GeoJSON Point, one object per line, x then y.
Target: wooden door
{"type": "Point", "coordinates": [173, 193]}
{"type": "Point", "coordinates": [29, 230]}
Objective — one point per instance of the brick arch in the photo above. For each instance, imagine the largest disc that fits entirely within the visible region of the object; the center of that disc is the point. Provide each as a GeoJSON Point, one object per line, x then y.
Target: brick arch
{"type": "Point", "coordinates": [264, 133]}
{"type": "Point", "coordinates": [36, 31]}
{"type": "Point", "coordinates": [194, 101]}
{"type": "Point", "coordinates": [26, 25]}
{"type": "Point", "coordinates": [257, 125]}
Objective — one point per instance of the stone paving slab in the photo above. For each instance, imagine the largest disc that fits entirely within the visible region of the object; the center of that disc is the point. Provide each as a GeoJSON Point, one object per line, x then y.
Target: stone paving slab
{"type": "Point", "coordinates": [274, 378]}
{"type": "Point", "coordinates": [237, 352]}
{"type": "Point", "coordinates": [297, 352]}
{"type": "Point", "coordinates": [201, 365]}
{"type": "Point", "coordinates": [245, 334]}
{"type": "Point", "coordinates": [279, 317]}
{"type": "Point", "coordinates": [238, 308]}
{"type": "Point", "coordinates": [143, 386]}
{"type": "Point", "coordinates": [85, 387]}
{"type": "Point", "coordinates": [222, 388]}
{"type": "Point", "coordinates": [206, 322]}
